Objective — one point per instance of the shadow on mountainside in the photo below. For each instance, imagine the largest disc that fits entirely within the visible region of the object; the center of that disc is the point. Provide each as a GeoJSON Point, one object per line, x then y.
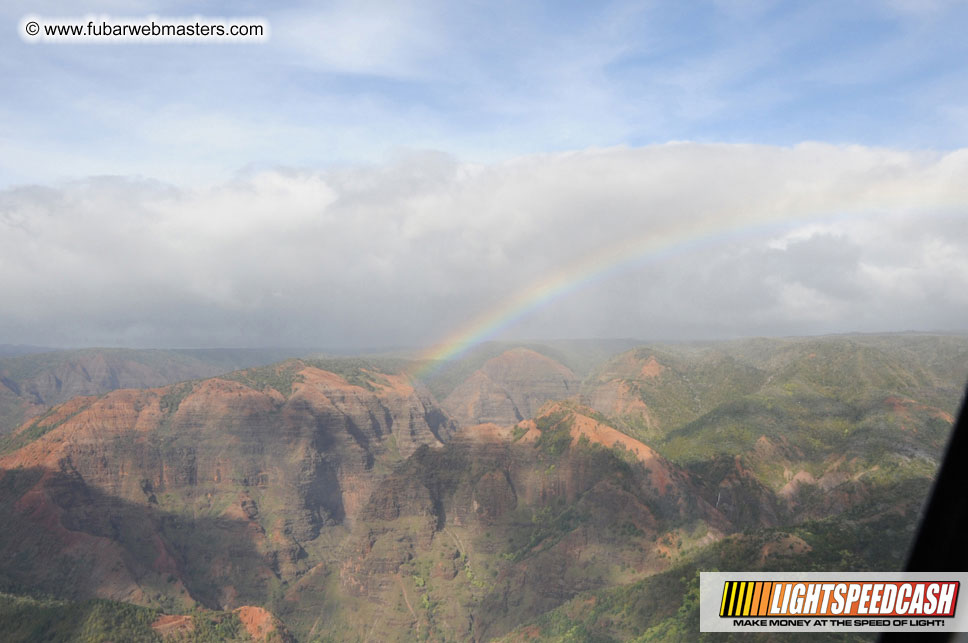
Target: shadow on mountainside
{"type": "Point", "coordinates": [62, 538]}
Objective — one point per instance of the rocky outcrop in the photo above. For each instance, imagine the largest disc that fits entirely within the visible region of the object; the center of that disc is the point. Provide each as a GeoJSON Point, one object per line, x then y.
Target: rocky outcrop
{"type": "Point", "coordinates": [734, 490]}
{"type": "Point", "coordinates": [617, 398]}
{"type": "Point", "coordinates": [509, 388]}
{"type": "Point", "coordinates": [262, 626]}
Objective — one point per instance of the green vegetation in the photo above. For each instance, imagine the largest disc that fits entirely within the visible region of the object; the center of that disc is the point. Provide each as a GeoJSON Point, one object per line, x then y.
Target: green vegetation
{"type": "Point", "coordinates": [280, 377]}
{"type": "Point", "coordinates": [101, 621]}
{"type": "Point", "coordinates": [213, 627]}
{"type": "Point", "coordinates": [548, 525]}
{"type": "Point", "coordinates": [36, 429]}
{"type": "Point", "coordinates": [665, 606]}
{"type": "Point", "coordinates": [173, 398]}
{"type": "Point", "coordinates": [364, 373]}
{"type": "Point", "coordinates": [28, 619]}
{"type": "Point", "coordinates": [555, 435]}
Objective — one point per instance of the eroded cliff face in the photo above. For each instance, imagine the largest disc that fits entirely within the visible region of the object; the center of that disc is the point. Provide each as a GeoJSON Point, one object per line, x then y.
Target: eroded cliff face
{"type": "Point", "coordinates": [509, 388]}
{"type": "Point", "coordinates": [225, 481]}
{"type": "Point", "coordinates": [504, 523]}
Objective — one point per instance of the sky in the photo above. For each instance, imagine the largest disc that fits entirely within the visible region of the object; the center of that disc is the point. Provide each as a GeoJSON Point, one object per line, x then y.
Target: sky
{"type": "Point", "coordinates": [420, 174]}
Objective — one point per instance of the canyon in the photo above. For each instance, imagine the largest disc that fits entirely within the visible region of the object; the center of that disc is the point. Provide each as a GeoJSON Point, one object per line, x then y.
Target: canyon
{"type": "Point", "coordinates": [340, 500]}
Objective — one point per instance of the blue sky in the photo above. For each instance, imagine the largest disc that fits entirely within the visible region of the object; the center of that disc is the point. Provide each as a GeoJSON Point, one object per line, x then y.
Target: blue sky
{"type": "Point", "coordinates": [360, 81]}
{"type": "Point", "coordinates": [383, 174]}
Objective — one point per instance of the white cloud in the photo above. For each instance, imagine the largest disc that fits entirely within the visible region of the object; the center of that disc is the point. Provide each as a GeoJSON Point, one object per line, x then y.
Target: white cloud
{"type": "Point", "coordinates": [732, 240]}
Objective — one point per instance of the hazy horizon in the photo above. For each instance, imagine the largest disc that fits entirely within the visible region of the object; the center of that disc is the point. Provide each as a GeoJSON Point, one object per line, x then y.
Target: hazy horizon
{"type": "Point", "coordinates": [419, 352]}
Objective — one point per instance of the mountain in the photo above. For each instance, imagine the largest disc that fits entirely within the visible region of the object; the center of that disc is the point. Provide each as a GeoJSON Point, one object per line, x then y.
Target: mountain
{"type": "Point", "coordinates": [652, 390]}
{"type": "Point", "coordinates": [510, 387]}
{"type": "Point", "coordinates": [32, 383]}
{"type": "Point", "coordinates": [580, 356]}
{"type": "Point", "coordinates": [500, 525]}
{"type": "Point", "coordinates": [343, 500]}
{"type": "Point", "coordinates": [201, 491]}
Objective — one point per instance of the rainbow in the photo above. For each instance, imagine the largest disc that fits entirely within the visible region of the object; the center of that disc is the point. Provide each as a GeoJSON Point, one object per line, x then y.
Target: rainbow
{"type": "Point", "coordinates": [661, 243]}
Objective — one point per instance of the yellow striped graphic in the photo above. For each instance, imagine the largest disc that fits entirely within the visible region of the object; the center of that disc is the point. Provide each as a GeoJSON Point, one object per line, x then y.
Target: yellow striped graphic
{"type": "Point", "coordinates": [746, 598]}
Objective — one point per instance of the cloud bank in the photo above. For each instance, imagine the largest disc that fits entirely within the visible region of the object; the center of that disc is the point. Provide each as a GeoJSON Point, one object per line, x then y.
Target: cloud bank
{"type": "Point", "coordinates": [742, 240]}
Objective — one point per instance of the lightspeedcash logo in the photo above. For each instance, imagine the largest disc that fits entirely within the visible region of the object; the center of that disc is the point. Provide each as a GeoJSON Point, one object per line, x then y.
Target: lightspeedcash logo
{"type": "Point", "coordinates": [831, 602]}
{"type": "Point", "coordinates": [765, 598]}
